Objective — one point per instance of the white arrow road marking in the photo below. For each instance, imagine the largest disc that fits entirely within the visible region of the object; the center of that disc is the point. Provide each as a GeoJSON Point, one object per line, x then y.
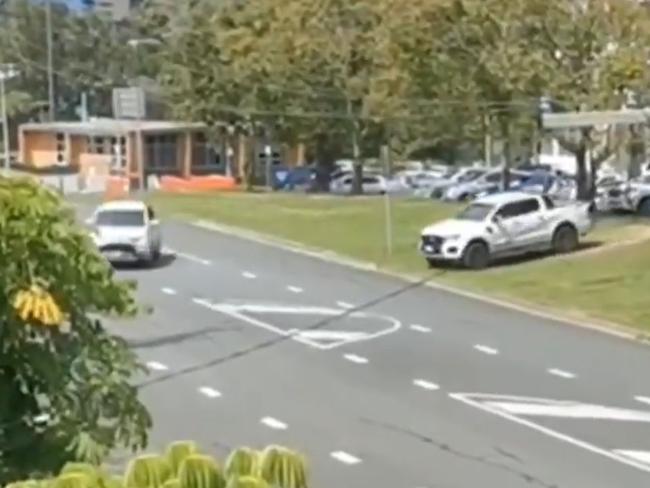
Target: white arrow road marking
{"type": "Point", "coordinates": [328, 334]}
{"type": "Point", "coordinates": [248, 275]}
{"type": "Point", "coordinates": [323, 340]}
{"type": "Point", "coordinates": [643, 456]}
{"type": "Point", "coordinates": [643, 399]}
{"type": "Point", "coordinates": [156, 366]}
{"type": "Point", "coordinates": [486, 349]}
{"type": "Point", "coordinates": [294, 289]}
{"type": "Point", "coordinates": [188, 256]}
{"type": "Point", "coordinates": [420, 328]}
{"type": "Point", "coordinates": [355, 359]}
{"type": "Point", "coordinates": [344, 457]}
{"type": "Point", "coordinates": [344, 305]}
{"type": "Point", "coordinates": [274, 423]}
{"type": "Point", "coordinates": [281, 309]}
{"type": "Point", "coordinates": [561, 373]}
{"type": "Point", "coordinates": [210, 392]}
{"type": "Point", "coordinates": [572, 411]}
{"type": "Point", "coordinates": [483, 402]}
{"type": "Point", "coordinates": [169, 291]}
{"type": "Point", "coordinates": [427, 385]}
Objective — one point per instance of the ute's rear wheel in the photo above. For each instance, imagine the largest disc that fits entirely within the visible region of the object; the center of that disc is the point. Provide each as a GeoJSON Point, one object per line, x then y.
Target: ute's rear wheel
{"type": "Point", "coordinates": [565, 239]}
{"type": "Point", "coordinates": [644, 208]}
{"type": "Point", "coordinates": [476, 256]}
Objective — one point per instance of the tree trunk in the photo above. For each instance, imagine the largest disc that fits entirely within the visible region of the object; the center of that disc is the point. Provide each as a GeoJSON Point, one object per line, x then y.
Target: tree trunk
{"type": "Point", "coordinates": [247, 148]}
{"type": "Point", "coordinates": [582, 175]}
{"type": "Point", "coordinates": [594, 165]}
{"type": "Point", "coordinates": [636, 149]}
{"type": "Point", "coordinates": [507, 153]}
{"type": "Point", "coordinates": [357, 180]}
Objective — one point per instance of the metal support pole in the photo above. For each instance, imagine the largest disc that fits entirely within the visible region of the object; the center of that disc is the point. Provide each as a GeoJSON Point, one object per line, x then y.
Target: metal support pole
{"type": "Point", "coordinates": [388, 216]}
{"type": "Point", "coordinates": [50, 63]}
{"type": "Point", "coordinates": [268, 153]}
{"type": "Point", "coordinates": [5, 124]}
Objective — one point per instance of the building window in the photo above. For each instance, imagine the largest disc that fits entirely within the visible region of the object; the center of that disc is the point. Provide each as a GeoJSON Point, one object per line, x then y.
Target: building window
{"type": "Point", "coordinates": [161, 152]}
{"type": "Point", "coordinates": [203, 154]}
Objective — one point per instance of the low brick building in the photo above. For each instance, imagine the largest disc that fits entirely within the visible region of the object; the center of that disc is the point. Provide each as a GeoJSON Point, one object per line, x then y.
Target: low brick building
{"type": "Point", "coordinates": [135, 149]}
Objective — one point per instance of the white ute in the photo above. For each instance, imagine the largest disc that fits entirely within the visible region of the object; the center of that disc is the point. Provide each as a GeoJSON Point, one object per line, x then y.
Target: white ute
{"type": "Point", "coordinates": [505, 224]}
{"type": "Point", "coordinates": [126, 230]}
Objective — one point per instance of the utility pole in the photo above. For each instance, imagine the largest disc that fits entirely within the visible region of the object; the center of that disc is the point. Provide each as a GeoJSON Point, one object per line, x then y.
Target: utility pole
{"type": "Point", "coordinates": [50, 68]}
{"type": "Point", "coordinates": [388, 220]}
{"type": "Point", "coordinates": [5, 125]}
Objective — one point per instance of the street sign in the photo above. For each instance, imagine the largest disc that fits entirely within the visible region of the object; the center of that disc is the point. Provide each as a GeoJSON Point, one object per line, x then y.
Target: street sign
{"type": "Point", "coordinates": [129, 103]}
{"type": "Point", "coordinates": [576, 120]}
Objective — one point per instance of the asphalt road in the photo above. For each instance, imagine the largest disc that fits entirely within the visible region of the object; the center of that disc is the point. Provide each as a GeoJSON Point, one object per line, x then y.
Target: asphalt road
{"type": "Point", "coordinates": [380, 383]}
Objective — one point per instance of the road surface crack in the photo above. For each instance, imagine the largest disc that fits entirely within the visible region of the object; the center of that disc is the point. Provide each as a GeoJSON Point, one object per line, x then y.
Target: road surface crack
{"type": "Point", "coordinates": [445, 447]}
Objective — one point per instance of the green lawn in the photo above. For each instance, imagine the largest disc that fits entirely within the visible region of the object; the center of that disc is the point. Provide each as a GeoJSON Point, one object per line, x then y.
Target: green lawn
{"type": "Point", "coordinates": [603, 284]}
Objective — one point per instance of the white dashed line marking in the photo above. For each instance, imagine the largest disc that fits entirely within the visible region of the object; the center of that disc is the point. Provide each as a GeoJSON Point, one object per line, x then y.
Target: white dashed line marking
{"type": "Point", "coordinates": [344, 305]}
{"type": "Point", "coordinates": [274, 423]}
{"type": "Point", "coordinates": [294, 289]}
{"type": "Point", "coordinates": [427, 385]}
{"type": "Point", "coordinates": [355, 359]}
{"type": "Point", "coordinates": [248, 275]}
{"type": "Point", "coordinates": [420, 328]}
{"type": "Point", "coordinates": [561, 373]}
{"type": "Point", "coordinates": [345, 458]}
{"type": "Point", "coordinates": [156, 366]}
{"type": "Point", "coordinates": [486, 349]}
{"type": "Point", "coordinates": [169, 291]}
{"type": "Point", "coordinates": [643, 399]}
{"type": "Point", "coordinates": [210, 392]}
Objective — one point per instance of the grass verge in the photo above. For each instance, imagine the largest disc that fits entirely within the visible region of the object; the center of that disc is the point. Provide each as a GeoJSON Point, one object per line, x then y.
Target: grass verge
{"type": "Point", "coordinates": [609, 282]}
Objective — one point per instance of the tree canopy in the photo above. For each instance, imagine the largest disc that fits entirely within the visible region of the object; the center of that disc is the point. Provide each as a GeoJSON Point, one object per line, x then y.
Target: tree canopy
{"type": "Point", "coordinates": [65, 381]}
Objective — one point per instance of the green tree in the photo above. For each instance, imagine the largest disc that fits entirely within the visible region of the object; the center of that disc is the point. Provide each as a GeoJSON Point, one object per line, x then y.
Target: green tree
{"type": "Point", "coordinates": [91, 54]}
{"type": "Point", "coordinates": [595, 50]}
{"type": "Point", "coordinates": [493, 64]}
{"type": "Point", "coordinates": [65, 381]}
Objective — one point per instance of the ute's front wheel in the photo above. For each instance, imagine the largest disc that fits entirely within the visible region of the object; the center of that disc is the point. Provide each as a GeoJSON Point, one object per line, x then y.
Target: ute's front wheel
{"type": "Point", "coordinates": [476, 256]}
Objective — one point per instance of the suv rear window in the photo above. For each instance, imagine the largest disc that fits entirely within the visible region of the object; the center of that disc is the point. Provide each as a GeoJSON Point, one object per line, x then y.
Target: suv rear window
{"type": "Point", "coordinates": [121, 218]}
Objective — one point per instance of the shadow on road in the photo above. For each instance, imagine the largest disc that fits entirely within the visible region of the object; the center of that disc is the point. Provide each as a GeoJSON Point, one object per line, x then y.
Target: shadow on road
{"type": "Point", "coordinates": [164, 261]}
{"type": "Point", "coordinates": [177, 338]}
{"type": "Point", "coordinates": [522, 258]}
{"type": "Point", "coordinates": [536, 256]}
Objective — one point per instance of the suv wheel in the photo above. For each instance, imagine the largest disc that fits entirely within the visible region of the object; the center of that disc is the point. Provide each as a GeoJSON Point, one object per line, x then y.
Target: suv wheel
{"type": "Point", "coordinates": [644, 208]}
{"type": "Point", "coordinates": [565, 239]}
{"type": "Point", "coordinates": [476, 256]}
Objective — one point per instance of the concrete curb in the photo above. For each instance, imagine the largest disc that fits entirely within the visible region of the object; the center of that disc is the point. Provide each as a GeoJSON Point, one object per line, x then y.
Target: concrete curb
{"type": "Point", "coordinates": [608, 328]}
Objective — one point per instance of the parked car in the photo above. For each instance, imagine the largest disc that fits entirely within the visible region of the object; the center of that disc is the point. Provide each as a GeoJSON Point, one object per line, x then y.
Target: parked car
{"type": "Point", "coordinates": [489, 183]}
{"type": "Point", "coordinates": [633, 196]}
{"type": "Point", "coordinates": [554, 184]}
{"type": "Point", "coordinates": [126, 231]}
{"type": "Point", "coordinates": [420, 179]}
{"type": "Point", "coordinates": [463, 175]}
{"type": "Point", "coordinates": [372, 184]}
{"type": "Point", "coordinates": [505, 224]}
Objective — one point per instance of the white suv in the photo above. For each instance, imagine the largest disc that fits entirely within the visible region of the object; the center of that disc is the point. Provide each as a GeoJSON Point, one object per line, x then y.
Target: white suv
{"type": "Point", "coordinates": [505, 224]}
{"type": "Point", "coordinates": [126, 230]}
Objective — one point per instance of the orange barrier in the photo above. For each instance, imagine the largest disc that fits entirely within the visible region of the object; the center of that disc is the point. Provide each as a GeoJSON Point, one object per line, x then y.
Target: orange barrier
{"type": "Point", "coordinates": [197, 183]}
{"type": "Point", "coordinates": [117, 187]}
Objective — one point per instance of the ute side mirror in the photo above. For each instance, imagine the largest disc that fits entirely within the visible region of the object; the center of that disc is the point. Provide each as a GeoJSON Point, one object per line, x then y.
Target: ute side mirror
{"type": "Point", "coordinates": [90, 221]}
{"type": "Point", "coordinates": [496, 219]}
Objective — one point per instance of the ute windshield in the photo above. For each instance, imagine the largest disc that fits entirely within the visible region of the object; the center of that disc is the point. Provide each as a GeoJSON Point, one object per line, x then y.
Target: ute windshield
{"type": "Point", "coordinates": [476, 212]}
{"type": "Point", "coordinates": [120, 218]}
